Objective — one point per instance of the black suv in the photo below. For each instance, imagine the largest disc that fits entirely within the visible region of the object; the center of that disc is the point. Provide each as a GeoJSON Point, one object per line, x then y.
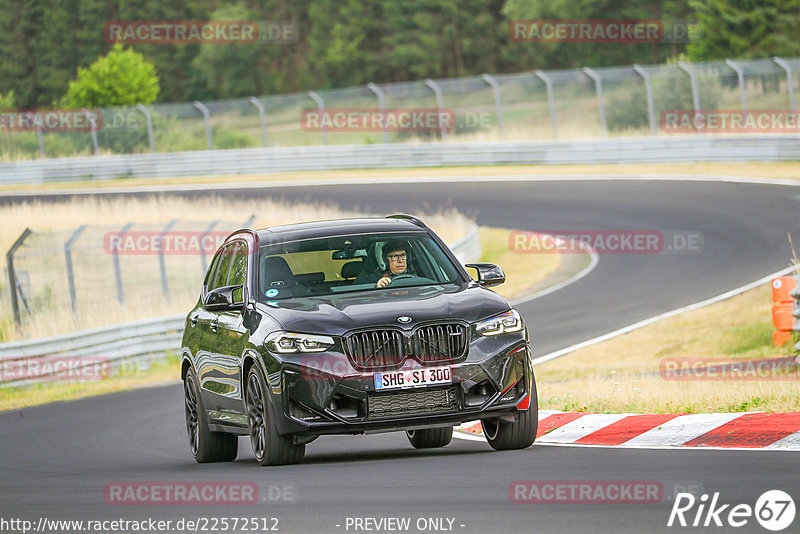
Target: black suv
{"type": "Point", "coordinates": [348, 327]}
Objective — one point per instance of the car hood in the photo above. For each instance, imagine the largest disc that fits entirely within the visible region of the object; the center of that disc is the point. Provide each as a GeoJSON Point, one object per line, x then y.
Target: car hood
{"type": "Point", "coordinates": [340, 313]}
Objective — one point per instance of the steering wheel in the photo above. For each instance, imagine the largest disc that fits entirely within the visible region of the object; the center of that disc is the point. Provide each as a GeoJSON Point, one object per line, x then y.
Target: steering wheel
{"type": "Point", "coordinates": [403, 277]}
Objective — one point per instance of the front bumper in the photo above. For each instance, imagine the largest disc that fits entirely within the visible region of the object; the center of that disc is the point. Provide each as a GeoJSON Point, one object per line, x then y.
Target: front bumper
{"type": "Point", "coordinates": [311, 398]}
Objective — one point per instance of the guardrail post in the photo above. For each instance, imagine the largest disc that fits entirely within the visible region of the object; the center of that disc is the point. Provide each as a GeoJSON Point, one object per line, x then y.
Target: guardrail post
{"type": "Point", "coordinates": [382, 105]}
{"type": "Point", "coordinates": [497, 103]}
{"type": "Point", "coordinates": [117, 271]}
{"type": "Point", "coordinates": [262, 116]}
{"type": "Point", "coordinates": [437, 91]}
{"type": "Point", "coordinates": [92, 128]}
{"type": "Point", "coordinates": [161, 263]}
{"type": "Point", "coordinates": [648, 87]}
{"type": "Point", "coordinates": [598, 87]}
{"type": "Point", "coordinates": [786, 67]}
{"type": "Point", "coordinates": [207, 120]}
{"type": "Point", "coordinates": [12, 275]}
{"type": "Point", "coordinates": [202, 251]}
{"type": "Point", "coordinates": [693, 82]}
{"type": "Point", "coordinates": [149, 121]}
{"type": "Point", "coordinates": [321, 107]}
{"type": "Point", "coordinates": [68, 258]}
{"type": "Point", "coordinates": [740, 75]}
{"type": "Point", "coordinates": [551, 99]}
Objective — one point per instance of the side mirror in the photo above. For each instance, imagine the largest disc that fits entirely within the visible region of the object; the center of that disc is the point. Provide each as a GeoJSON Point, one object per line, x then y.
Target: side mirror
{"type": "Point", "coordinates": [225, 298]}
{"type": "Point", "coordinates": [489, 274]}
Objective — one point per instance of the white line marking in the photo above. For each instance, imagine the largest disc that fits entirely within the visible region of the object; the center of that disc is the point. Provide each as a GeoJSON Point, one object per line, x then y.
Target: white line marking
{"type": "Point", "coordinates": [583, 426]}
{"type": "Point", "coordinates": [659, 447]}
{"type": "Point", "coordinates": [469, 437]}
{"type": "Point", "coordinates": [594, 259]}
{"type": "Point", "coordinates": [677, 311]}
{"type": "Point", "coordinates": [682, 429]}
{"type": "Point", "coordinates": [792, 441]}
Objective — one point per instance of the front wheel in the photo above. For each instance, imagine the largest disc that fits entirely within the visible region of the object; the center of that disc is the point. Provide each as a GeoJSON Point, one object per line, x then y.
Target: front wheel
{"type": "Point", "coordinates": [429, 438]}
{"type": "Point", "coordinates": [504, 435]}
{"type": "Point", "coordinates": [206, 446]}
{"type": "Point", "coordinates": [270, 447]}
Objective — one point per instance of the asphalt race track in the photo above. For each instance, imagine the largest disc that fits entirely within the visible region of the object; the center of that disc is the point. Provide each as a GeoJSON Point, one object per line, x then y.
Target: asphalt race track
{"type": "Point", "coordinates": [56, 460]}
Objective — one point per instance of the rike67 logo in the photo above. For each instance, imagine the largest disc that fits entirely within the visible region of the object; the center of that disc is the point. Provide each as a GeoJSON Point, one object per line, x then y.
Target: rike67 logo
{"type": "Point", "coordinates": [774, 510]}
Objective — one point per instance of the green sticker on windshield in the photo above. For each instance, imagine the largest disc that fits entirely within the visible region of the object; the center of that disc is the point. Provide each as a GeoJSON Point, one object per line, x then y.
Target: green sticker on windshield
{"type": "Point", "coordinates": [272, 292]}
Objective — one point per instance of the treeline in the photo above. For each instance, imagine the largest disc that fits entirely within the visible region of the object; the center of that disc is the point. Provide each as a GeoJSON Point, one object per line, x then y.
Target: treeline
{"type": "Point", "coordinates": [350, 42]}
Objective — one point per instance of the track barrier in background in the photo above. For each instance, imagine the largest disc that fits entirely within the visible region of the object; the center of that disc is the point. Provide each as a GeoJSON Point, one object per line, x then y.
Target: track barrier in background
{"type": "Point", "coordinates": [526, 106]}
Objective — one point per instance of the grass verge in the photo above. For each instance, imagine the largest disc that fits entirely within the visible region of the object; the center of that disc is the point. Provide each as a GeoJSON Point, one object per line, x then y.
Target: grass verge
{"type": "Point", "coordinates": [132, 377]}
{"type": "Point", "coordinates": [622, 375]}
{"type": "Point", "coordinates": [785, 170]}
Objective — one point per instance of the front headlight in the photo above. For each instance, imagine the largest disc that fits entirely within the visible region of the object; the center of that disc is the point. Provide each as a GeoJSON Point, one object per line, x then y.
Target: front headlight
{"type": "Point", "coordinates": [290, 342]}
{"type": "Point", "coordinates": [510, 321]}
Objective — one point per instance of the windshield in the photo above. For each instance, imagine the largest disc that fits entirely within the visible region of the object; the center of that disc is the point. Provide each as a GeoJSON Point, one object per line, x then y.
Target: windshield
{"type": "Point", "coordinates": [319, 267]}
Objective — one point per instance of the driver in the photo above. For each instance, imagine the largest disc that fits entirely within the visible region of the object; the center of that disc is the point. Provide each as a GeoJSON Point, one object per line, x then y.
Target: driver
{"type": "Point", "coordinates": [395, 256]}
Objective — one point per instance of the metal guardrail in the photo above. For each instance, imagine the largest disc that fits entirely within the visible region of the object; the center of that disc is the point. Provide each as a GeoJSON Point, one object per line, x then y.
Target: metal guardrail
{"type": "Point", "coordinates": [660, 149]}
{"type": "Point", "coordinates": [137, 341]}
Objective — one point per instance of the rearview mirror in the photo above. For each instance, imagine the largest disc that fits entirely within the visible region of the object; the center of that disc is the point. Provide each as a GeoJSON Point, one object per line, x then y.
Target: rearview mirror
{"type": "Point", "coordinates": [489, 274]}
{"type": "Point", "coordinates": [225, 298]}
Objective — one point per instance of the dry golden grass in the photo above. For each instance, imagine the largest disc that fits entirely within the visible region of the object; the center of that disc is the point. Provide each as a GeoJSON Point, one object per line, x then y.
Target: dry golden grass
{"type": "Point", "coordinates": [785, 170]}
{"type": "Point", "coordinates": [46, 216]}
{"type": "Point", "coordinates": [161, 372]}
{"type": "Point", "coordinates": [523, 271]}
{"type": "Point", "coordinates": [622, 374]}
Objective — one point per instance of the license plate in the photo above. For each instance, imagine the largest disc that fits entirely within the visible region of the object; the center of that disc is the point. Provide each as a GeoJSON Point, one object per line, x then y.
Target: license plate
{"type": "Point", "coordinates": [413, 378]}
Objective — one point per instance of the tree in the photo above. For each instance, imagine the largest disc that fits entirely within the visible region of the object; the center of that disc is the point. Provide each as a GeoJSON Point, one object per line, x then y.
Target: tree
{"type": "Point", "coordinates": [121, 78]}
{"type": "Point", "coordinates": [746, 29]}
{"type": "Point", "coordinates": [573, 55]}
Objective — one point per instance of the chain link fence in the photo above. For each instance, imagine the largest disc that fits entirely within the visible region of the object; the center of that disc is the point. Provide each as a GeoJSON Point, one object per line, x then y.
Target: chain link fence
{"type": "Point", "coordinates": [93, 273]}
{"type": "Point", "coordinates": [102, 274]}
{"type": "Point", "coordinates": [562, 104]}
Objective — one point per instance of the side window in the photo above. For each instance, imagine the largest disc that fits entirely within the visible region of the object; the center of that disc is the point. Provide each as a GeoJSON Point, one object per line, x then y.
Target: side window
{"type": "Point", "coordinates": [211, 273]}
{"type": "Point", "coordinates": [239, 272]}
{"type": "Point", "coordinates": [225, 261]}
{"type": "Point", "coordinates": [239, 269]}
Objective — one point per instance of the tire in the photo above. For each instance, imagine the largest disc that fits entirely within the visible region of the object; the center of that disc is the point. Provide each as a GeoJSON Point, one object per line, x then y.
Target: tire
{"type": "Point", "coordinates": [205, 446]}
{"type": "Point", "coordinates": [270, 447]}
{"type": "Point", "coordinates": [429, 438]}
{"type": "Point", "coordinates": [520, 434]}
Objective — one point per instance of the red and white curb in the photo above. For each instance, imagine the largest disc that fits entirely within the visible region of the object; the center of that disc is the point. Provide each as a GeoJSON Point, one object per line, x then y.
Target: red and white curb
{"type": "Point", "coordinates": [750, 430]}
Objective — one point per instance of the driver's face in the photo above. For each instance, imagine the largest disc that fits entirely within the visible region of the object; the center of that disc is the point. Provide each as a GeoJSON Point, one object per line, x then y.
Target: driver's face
{"type": "Point", "coordinates": [396, 260]}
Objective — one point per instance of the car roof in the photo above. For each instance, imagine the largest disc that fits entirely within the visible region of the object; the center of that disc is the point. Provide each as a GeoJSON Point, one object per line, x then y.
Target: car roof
{"type": "Point", "coordinates": [335, 227]}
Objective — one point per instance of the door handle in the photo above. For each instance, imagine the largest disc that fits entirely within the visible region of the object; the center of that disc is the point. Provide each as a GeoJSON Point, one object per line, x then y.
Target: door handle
{"type": "Point", "coordinates": [193, 320]}
{"type": "Point", "coordinates": [214, 325]}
